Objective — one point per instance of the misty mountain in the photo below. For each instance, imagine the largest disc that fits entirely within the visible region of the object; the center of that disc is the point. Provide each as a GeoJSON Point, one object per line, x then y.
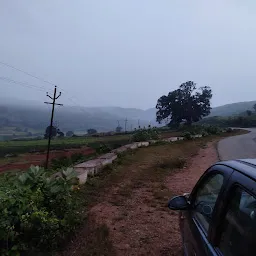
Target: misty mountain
{"type": "Point", "coordinates": [232, 109]}
{"type": "Point", "coordinates": [34, 115]}
{"type": "Point", "coordinates": [29, 114]}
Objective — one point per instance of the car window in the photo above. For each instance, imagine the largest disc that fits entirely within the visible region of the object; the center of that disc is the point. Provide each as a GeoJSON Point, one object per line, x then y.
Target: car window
{"type": "Point", "coordinates": [238, 236]}
{"type": "Point", "coordinates": [205, 199]}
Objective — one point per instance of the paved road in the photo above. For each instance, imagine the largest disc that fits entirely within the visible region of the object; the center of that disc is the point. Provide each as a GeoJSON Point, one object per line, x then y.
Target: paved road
{"type": "Point", "coordinates": [237, 147]}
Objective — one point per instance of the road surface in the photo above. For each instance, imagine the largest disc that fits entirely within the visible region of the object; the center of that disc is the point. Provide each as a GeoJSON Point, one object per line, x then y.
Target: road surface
{"type": "Point", "coordinates": [237, 147]}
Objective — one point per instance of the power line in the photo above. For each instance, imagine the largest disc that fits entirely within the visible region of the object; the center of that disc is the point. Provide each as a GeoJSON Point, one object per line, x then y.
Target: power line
{"type": "Point", "coordinates": [42, 80]}
{"type": "Point", "coordinates": [25, 72]}
{"type": "Point", "coordinates": [9, 80]}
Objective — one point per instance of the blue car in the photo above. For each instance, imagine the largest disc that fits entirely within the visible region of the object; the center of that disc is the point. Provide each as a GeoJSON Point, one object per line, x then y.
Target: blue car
{"type": "Point", "coordinates": [219, 216]}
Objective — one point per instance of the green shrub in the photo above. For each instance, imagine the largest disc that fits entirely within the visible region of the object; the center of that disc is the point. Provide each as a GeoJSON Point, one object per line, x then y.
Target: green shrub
{"type": "Point", "coordinates": [37, 211]}
{"type": "Point", "coordinates": [63, 161]}
{"type": "Point", "coordinates": [193, 129]}
{"type": "Point", "coordinates": [229, 130]}
{"type": "Point", "coordinates": [144, 135]}
{"type": "Point", "coordinates": [77, 157]}
{"type": "Point", "coordinates": [204, 133]}
{"type": "Point", "coordinates": [211, 129]}
{"type": "Point", "coordinates": [187, 135]}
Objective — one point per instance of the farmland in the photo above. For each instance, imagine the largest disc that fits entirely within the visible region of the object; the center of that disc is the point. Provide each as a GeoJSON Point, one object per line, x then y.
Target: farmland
{"type": "Point", "coordinates": [23, 146]}
{"type": "Point", "coordinates": [20, 154]}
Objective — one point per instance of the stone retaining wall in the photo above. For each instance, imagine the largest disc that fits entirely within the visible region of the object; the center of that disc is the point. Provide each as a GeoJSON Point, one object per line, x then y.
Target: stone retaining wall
{"type": "Point", "coordinates": [92, 167]}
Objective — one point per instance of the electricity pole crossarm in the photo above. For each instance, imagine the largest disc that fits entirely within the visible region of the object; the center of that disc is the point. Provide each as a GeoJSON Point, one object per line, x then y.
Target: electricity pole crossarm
{"type": "Point", "coordinates": [54, 98]}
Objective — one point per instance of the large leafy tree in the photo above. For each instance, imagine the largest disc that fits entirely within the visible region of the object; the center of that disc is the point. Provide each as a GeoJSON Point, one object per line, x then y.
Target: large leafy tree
{"type": "Point", "coordinates": [186, 103]}
{"type": "Point", "coordinates": [47, 132]}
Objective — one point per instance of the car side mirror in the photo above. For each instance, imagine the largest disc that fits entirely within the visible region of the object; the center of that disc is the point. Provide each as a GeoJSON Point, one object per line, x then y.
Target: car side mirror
{"type": "Point", "coordinates": [179, 203]}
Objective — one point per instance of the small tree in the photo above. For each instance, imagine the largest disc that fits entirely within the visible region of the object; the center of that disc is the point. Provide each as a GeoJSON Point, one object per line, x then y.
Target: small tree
{"type": "Point", "coordinates": [47, 132]}
{"type": "Point", "coordinates": [69, 133]}
{"type": "Point", "coordinates": [254, 107]}
{"type": "Point", "coordinates": [119, 129]}
{"type": "Point", "coordinates": [91, 131]}
{"type": "Point", "coordinates": [248, 112]}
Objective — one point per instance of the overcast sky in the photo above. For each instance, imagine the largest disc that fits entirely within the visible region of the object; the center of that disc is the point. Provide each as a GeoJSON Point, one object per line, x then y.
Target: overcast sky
{"type": "Point", "coordinates": [128, 53]}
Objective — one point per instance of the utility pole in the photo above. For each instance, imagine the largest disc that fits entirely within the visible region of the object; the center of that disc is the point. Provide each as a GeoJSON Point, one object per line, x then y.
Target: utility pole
{"type": "Point", "coordinates": [138, 123]}
{"type": "Point", "coordinates": [54, 98]}
{"type": "Point", "coordinates": [125, 123]}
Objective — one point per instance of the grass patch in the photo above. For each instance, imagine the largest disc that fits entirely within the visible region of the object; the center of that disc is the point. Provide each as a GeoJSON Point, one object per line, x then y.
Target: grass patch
{"type": "Point", "coordinates": [144, 170]}
{"type": "Point", "coordinates": [172, 163]}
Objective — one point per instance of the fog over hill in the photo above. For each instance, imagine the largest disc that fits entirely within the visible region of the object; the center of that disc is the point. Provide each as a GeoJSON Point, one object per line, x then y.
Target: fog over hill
{"type": "Point", "coordinates": [36, 115]}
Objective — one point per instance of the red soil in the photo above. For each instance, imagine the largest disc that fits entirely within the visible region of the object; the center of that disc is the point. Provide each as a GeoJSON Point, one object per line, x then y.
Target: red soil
{"type": "Point", "coordinates": [28, 159]}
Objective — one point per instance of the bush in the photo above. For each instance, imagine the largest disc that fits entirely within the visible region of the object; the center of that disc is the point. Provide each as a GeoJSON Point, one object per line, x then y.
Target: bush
{"type": "Point", "coordinates": [229, 130]}
{"type": "Point", "coordinates": [60, 162]}
{"type": "Point", "coordinates": [37, 211]}
{"type": "Point", "coordinates": [144, 135]}
{"type": "Point", "coordinates": [211, 129]}
{"type": "Point", "coordinates": [187, 135]}
{"type": "Point", "coordinates": [77, 157]}
{"type": "Point", "coordinates": [193, 129]}
{"type": "Point", "coordinates": [204, 133]}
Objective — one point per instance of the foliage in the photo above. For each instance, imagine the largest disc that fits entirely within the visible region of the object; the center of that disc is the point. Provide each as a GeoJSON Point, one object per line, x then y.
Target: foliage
{"type": "Point", "coordinates": [103, 148]}
{"type": "Point", "coordinates": [205, 130]}
{"type": "Point", "coordinates": [69, 133]}
{"type": "Point", "coordinates": [91, 131]}
{"type": "Point", "coordinates": [211, 129]}
{"type": "Point", "coordinates": [119, 129]}
{"type": "Point", "coordinates": [248, 112]}
{"type": "Point", "coordinates": [64, 161]}
{"type": "Point", "coordinates": [184, 103]}
{"type": "Point", "coordinates": [61, 134]}
{"type": "Point", "coordinates": [144, 135]}
{"type": "Point", "coordinates": [53, 133]}
{"type": "Point", "coordinates": [187, 135]}
{"type": "Point", "coordinates": [35, 145]}
{"type": "Point", "coordinates": [254, 107]}
{"type": "Point", "coordinates": [229, 130]}
{"type": "Point", "coordinates": [234, 121]}
{"type": "Point", "coordinates": [37, 211]}
{"type": "Point", "coordinates": [60, 162]}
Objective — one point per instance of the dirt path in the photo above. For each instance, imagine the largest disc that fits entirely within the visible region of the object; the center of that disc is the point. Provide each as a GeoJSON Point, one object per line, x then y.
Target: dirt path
{"type": "Point", "coordinates": [131, 214]}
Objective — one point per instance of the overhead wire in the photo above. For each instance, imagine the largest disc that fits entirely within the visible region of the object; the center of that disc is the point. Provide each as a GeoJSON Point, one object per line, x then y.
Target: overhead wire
{"type": "Point", "coordinates": [43, 88]}
{"type": "Point", "coordinates": [9, 80]}
{"type": "Point", "coordinates": [25, 72]}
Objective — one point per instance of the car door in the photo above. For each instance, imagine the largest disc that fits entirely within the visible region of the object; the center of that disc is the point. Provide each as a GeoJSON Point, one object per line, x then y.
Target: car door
{"type": "Point", "coordinates": [235, 233]}
{"type": "Point", "coordinates": [204, 200]}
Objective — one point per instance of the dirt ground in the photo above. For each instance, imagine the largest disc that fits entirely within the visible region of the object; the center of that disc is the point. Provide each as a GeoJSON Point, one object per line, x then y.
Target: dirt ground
{"type": "Point", "coordinates": [130, 215]}
{"type": "Point", "coordinates": [24, 161]}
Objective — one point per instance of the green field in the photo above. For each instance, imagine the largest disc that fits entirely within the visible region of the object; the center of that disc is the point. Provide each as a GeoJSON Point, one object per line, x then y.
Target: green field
{"type": "Point", "coordinates": [7, 147]}
{"type": "Point", "coordinates": [33, 145]}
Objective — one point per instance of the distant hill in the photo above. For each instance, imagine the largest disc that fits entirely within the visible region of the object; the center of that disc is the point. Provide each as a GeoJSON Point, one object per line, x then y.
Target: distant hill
{"type": "Point", "coordinates": [232, 109]}
{"type": "Point", "coordinates": [36, 117]}
{"type": "Point", "coordinates": [28, 114]}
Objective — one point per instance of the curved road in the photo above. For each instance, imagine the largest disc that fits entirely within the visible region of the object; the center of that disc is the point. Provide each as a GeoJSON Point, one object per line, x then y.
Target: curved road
{"type": "Point", "coordinates": [238, 147]}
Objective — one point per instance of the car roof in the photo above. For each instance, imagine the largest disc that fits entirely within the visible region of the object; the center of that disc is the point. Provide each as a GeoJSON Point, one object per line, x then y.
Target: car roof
{"type": "Point", "coordinates": [245, 166]}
